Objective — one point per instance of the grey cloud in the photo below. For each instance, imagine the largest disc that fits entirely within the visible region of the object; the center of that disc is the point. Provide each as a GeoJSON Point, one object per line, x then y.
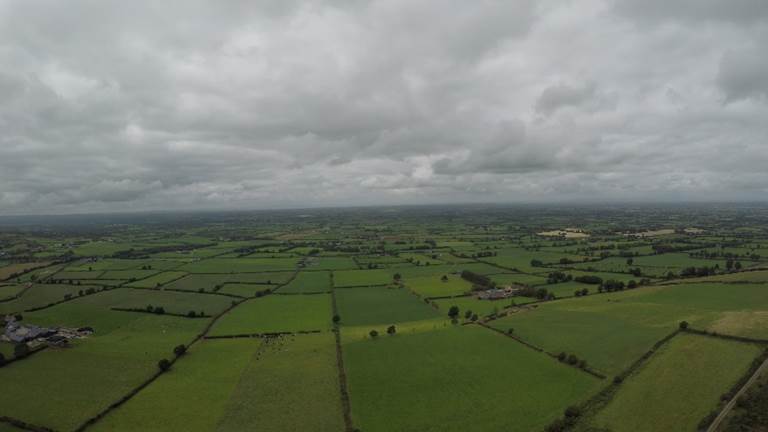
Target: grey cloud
{"type": "Point", "coordinates": [563, 95]}
{"type": "Point", "coordinates": [113, 106]}
{"type": "Point", "coordinates": [744, 74]}
{"type": "Point", "coordinates": [738, 11]}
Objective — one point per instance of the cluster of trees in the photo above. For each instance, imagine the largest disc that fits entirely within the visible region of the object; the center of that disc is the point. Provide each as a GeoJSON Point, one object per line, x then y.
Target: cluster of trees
{"type": "Point", "coordinates": [159, 310]}
{"type": "Point", "coordinates": [164, 364]}
{"type": "Point", "coordinates": [262, 293]}
{"type": "Point", "coordinates": [391, 330]}
{"type": "Point", "coordinates": [558, 276]}
{"type": "Point", "coordinates": [572, 360]}
{"type": "Point", "coordinates": [87, 291]}
{"type": "Point", "coordinates": [477, 279]}
{"type": "Point", "coordinates": [614, 285]}
{"type": "Point", "coordinates": [589, 279]}
{"type": "Point", "coordinates": [471, 316]}
{"type": "Point", "coordinates": [539, 293]}
{"type": "Point", "coordinates": [570, 416]}
{"type": "Point", "coordinates": [698, 271]}
{"type": "Point", "coordinates": [582, 292]}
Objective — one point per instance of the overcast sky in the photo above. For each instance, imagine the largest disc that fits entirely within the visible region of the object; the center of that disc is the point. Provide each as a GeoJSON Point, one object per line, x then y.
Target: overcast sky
{"type": "Point", "coordinates": [134, 105]}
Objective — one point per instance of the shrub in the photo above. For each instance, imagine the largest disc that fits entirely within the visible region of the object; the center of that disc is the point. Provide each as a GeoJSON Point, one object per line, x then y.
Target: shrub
{"type": "Point", "coordinates": [180, 350]}
{"type": "Point", "coordinates": [164, 365]}
{"type": "Point", "coordinates": [374, 334]}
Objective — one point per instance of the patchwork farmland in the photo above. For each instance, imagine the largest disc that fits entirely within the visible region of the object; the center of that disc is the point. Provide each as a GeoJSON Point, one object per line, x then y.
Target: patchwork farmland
{"type": "Point", "coordinates": [414, 319]}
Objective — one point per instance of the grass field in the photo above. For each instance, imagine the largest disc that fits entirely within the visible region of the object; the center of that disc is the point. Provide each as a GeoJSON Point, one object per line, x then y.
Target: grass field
{"type": "Point", "coordinates": [171, 301]}
{"type": "Point", "coordinates": [10, 270]}
{"type": "Point", "coordinates": [380, 305]}
{"type": "Point", "coordinates": [434, 286]}
{"type": "Point", "coordinates": [244, 290]}
{"type": "Point", "coordinates": [304, 282]}
{"type": "Point", "coordinates": [277, 313]}
{"type": "Point", "coordinates": [242, 384]}
{"type": "Point", "coordinates": [62, 387]}
{"type": "Point", "coordinates": [638, 318]}
{"type": "Point", "coordinates": [157, 280]}
{"type": "Point", "coordinates": [240, 265]}
{"type": "Point", "coordinates": [344, 278]}
{"type": "Point", "coordinates": [660, 397]}
{"type": "Point", "coordinates": [465, 376]}
{"type": "Point", "coordinates": [42, 295]}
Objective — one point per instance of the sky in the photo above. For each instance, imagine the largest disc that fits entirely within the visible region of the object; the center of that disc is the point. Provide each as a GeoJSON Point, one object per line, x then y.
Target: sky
{"type": "Point", "coordinates": [111, 106]}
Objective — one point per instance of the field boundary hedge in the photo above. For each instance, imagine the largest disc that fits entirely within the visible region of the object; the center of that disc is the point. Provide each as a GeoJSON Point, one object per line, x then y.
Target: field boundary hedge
{"type": "Point", "coordinates": [346, 404]}
{"type": "Point", "coordinates": [139, 310]}
{"type": "Point", "coordinates": [304, 293]}
{"type": "Point", "coordinates": [262, 335]}
{"type": "Point", "coordinates": [24, 425]}
{"type": "Point", "coordinates": [587, 370]}
{"type": "Point", "coordinates": [726, 336]}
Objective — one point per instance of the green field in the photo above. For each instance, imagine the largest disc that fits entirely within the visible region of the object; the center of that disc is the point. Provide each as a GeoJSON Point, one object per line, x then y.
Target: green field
{"type": "Point", "coordinates": [460, 374]}
{"type": "Point", "coordinates": [380, 305]}
{"type": "Point", "coordinates": [308, 282]}
{"type": "Point", "coordinates": [99, 370]}
{"type": "Point", "coordinates": [435, 286]}
{"type": "Point", "coordinates": [277, 313]}
{"type": "Point", "coordinates": [660, 396]}
{"type": "Point", "coordinates": [242, 384]}
{"type": "Point", "coordinates": [240, 265]}
{"type": "Point", "coordinates": [345, 278]}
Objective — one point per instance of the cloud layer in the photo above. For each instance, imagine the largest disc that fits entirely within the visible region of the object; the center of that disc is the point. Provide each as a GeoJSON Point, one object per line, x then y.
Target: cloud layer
{"type": "Point", "coordinates": [114, 106]}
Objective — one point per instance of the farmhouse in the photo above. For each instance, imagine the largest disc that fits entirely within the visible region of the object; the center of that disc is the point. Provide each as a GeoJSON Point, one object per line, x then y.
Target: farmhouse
{"type": "Point", "coordinates": [18, 332]}
{"type": "Point", "coordinates": [497, 293]}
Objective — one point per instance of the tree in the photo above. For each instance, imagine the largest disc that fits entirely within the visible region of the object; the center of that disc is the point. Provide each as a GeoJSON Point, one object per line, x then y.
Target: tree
{"type": "Point", "coordinates": [737, 265]}
{"type": "Point", "coordinates": [336, 319]}
{"type": "Point", "coordinates": [20, 350]}
{"type": "Point", "coordinates": [374, 334]}
{"type": "Point", "coordinates": [467, 314]}
{"type": "Point", "coordinates": [630, 261]}
{"type": "Point", "coordinates": [572, 411]}
{"type": "Point", "coordinates": [2, 359]}
{"type": "Point", "coordinates": [180, 350]}
{"type": "Point", "coordinates": [160, 310]}
{"type": "Point", "coordinates": [683, 325]}
{"type": "Point", "coordinates": [397, 277]}
{"type": "Point", "coordinates": [474, 317]}
{"type": "Point", "coordinates": [191, 314]}
{"type": "Point", "coordinates": [453, 312]}
{"type": "Point", "coordinates": [444, 278]}
{"type": "Point", "coordinates": [562, 356]}
{"type": "Point", "coordinates": [510, 330]}
{"type": "Point", "coordinates": [391, 330]}
{"type": "Point", "coordinates": [164, 365]}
